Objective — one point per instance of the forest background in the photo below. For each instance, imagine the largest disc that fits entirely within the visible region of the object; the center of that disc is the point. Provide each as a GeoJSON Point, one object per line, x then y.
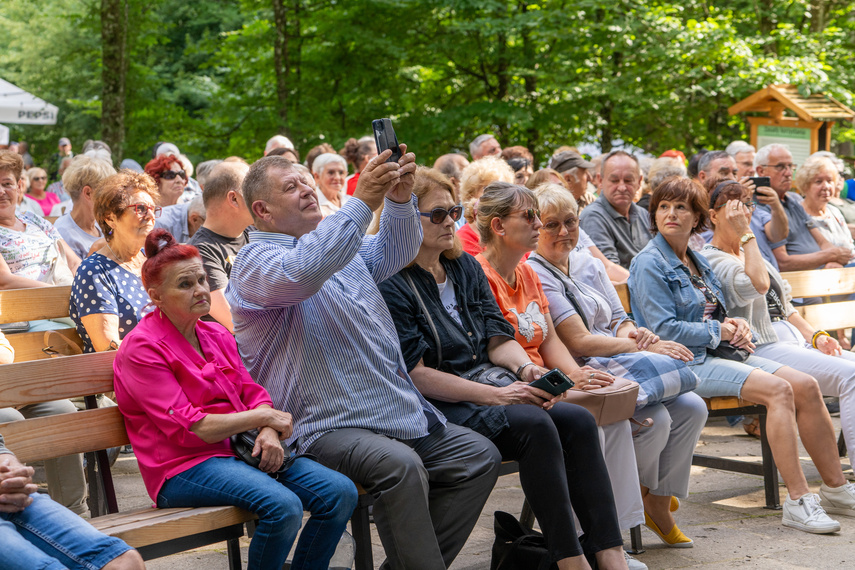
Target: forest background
{"type": "Point", "coordinates": [219, 77]}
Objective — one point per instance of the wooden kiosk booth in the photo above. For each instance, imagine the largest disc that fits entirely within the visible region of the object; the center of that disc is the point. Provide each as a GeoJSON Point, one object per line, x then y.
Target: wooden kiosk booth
{"type": "Point", "coordinates": [807, 127]}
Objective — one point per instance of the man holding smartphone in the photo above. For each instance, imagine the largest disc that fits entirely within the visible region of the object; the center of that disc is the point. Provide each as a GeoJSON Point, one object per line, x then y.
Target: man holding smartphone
{"type": "Point", "coordinates": [314, 330]}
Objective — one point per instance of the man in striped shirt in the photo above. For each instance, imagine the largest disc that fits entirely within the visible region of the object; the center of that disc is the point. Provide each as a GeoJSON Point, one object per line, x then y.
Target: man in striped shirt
{"type": "Point", "coordinates": [314, 330]}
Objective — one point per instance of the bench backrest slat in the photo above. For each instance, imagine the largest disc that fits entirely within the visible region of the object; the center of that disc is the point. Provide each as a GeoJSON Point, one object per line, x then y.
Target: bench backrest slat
{"type": "Point", "coordinates": [28, 346]}
{"type": "Point", "coordinates": [56, 379]}
{"type": "Point", "coordinates": [65, 434]}
{"type": "Point", "coordinates": [34, 304]}
{"type": "Point", "coordinates": [821, 282]}
{"type": "Point", "coordinates": [830, 316]}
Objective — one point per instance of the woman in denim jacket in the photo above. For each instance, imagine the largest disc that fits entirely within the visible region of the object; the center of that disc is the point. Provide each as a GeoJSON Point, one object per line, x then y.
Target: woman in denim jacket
{"type": "Point", "coordinates": [674, 293]}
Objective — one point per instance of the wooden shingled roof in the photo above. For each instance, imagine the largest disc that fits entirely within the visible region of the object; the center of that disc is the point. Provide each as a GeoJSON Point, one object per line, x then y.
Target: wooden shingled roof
{"type": "Point", "coordinates": [815, 107]}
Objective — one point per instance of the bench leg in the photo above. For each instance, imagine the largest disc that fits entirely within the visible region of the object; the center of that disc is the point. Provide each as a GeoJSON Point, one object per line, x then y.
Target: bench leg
{"type": "Point", "coordinates": [233, 546]}
{"type": "Point", "coordinates": [527, 515]}
{"type": "Point", "coordinates": [636, 546]}
{"type": "Point", "coordinates": [361, 528]}
{"type": "Point", "coordinates": [770, 470]}
{"type": "Point", "coordinates": [841, 445]}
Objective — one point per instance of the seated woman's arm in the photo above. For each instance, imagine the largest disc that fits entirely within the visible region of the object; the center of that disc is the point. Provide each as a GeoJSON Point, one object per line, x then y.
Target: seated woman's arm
{"type": "Point", "coordinates": [616, 273]}
{"type": "Point", "coordinates": [71, 258]}
{"type": "Point", "coordinates": [9, 280]}
{"type": "Point", "coordinates": [556, 355]}
{"type": "Point", "coordinates": [103, 330]}
{"type": "Point", "coordinates": [7, 353]}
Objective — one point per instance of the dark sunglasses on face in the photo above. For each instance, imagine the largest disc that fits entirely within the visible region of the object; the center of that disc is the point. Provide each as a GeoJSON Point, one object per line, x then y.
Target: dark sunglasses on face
{"type": "Point", "coordinates": [141, 209]}
{"type": "Point", "coordinates": [170, 174]}
{"type": "Point", "coordinates": [438, 215]}
{"type": "Point", "coordinates": [39, 178]}
{"type": "Point", "coordinates": [700, 284]}
{"type": "Point", "coordinates": [531, 215]}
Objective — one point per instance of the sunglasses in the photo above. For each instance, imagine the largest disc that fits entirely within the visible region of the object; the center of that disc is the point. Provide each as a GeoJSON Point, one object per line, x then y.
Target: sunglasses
{"type": "Point", "coordinates": [554, 227]}
{"type": "Point", "coordinates": [438, 215]}
{"type": "Point", "coordinates": [142, 209]}
{"type": "Point", "coordinates": [530, 214]}
{"type": "Point", "coordinates": [39, 177]}
{"type": "Point", "coordinates": [700, 284]}
{"type": "Point", "coordinates": [170, 174]}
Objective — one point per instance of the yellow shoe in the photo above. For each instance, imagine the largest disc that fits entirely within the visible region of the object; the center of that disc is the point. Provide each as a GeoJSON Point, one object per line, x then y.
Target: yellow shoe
{"type": "Point", "coordinates": [674, 539]}
{"type": "Point", "coordinates": [675, 504]}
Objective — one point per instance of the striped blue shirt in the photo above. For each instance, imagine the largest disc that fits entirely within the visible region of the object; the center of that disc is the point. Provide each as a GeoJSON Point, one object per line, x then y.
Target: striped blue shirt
{"type": "Point", "coordinates": [314, 330]}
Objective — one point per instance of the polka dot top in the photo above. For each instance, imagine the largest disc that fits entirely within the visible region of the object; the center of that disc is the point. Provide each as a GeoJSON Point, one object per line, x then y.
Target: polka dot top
{"type": "Point", "coordinates": [103, 286]}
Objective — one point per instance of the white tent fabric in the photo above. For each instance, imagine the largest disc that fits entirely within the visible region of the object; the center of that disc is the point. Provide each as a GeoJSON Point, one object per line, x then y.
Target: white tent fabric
{"type": "Point", "coordinates": [19, 107]}
{"type": "Point", "coordinates": [4, 135]}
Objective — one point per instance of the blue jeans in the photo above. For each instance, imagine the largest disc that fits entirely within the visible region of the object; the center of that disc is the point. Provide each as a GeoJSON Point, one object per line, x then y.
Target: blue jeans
{"type": "Point", "coordinates": [329, 496]}
{"type": "Point", "coordinates": [48, 536]}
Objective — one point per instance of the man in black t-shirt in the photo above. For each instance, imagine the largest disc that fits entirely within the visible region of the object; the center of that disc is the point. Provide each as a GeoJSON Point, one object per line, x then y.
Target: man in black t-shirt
{"type": "Point", "coordinates": [223, 233]}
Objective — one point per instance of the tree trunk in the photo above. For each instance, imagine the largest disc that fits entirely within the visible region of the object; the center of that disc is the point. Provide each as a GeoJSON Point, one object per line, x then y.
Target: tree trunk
{"type": "Point", "coordinates": [532, 134]}
{"type": "Point", "coordinates": [114, 71]}
{"type": "Point", "coordinates": [280, 61]}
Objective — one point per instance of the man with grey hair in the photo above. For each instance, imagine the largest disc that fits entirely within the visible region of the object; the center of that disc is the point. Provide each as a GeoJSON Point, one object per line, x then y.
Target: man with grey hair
{"type": "Point", "coordinates": [715, 166]}
{"type": "Point", "coordinates": [484, 145]}
{"type": "Point", "coordinates": [616, 224]}
{"type": "Point", "coordinates": [278, 141]}
{"type": "Point", "coordinates": [313, 328]}
{"type": "Point", "coordinates": [182, 220]}
{"type": "Point", "coordinates": [452, 166]}
{"type": "Point", "coordinates": [743, 153]}
{"type": "Point", "coordinates": [804, 246]}
{"type": "Point", "coordinates": [78, 227]}
{"type": "Point", "coordinates": [574, 169]}
{"type": "Point", "coordinates": [223, 233]}
{"type": "Point", "coordinates": [204, 169]}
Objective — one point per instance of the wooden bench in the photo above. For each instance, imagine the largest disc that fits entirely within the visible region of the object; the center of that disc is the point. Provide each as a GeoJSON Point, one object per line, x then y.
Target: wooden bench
{"type": "Point", "coordinates": [729, 406]}
{"type": "Point", "coordinates": [832, 314]}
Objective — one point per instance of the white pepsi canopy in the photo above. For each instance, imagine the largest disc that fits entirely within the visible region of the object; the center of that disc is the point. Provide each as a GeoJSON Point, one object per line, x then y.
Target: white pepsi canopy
{"type": "Point", "coordinates": [19, 107]}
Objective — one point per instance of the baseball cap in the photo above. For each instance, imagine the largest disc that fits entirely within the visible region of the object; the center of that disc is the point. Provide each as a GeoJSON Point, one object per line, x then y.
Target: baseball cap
{"type": "Point", "coordinates": [64, 141]}
{"type": "Point", "coordinates": [568, 159]}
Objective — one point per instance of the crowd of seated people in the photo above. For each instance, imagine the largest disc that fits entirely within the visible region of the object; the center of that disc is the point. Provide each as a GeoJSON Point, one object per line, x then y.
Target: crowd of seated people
{"type": "Point", "coordinates": [258, 298]}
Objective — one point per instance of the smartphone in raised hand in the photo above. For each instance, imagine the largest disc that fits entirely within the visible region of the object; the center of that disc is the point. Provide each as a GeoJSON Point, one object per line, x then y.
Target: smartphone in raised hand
{"type": "Point", "coordinates": [384, 137]}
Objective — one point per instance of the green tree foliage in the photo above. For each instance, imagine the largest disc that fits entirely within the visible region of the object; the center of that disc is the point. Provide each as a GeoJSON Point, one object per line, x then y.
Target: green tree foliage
{"type": "Point", "coordinates": [219, 77]}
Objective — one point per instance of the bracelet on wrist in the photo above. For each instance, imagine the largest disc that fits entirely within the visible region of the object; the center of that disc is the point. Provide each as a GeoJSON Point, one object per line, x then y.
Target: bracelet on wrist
{"type": "Point", "coordinates": [816, 336]}
{"type": "Point", "coordinates": [523, 367]}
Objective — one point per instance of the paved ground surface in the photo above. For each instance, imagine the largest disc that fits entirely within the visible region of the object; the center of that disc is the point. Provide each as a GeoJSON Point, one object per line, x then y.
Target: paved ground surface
{"type": "Point", "coordinates": [724, 515]}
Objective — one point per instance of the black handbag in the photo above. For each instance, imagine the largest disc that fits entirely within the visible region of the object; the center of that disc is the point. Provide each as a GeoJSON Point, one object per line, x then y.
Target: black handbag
{"type": "Point", "coordinates": [724, 349]}
{"type": "Point", "coordinates": [517, 547]}
{"type": "Point", "coordinates": [243, 444]}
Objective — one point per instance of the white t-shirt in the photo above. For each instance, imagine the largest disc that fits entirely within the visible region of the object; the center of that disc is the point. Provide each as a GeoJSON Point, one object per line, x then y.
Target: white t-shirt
{"type": "Point", "coordinates": [449, 299]}
{"type": "Point", "coordinates": [74, 236]}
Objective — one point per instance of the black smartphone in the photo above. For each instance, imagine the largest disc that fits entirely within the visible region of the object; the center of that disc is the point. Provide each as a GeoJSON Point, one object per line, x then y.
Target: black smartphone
{"type": "Point", "coordinates": [555, 382]}
{"type": "Point", "coordinates": [758, 182]}
{"type": "Point", "coordinates": [384, 137]}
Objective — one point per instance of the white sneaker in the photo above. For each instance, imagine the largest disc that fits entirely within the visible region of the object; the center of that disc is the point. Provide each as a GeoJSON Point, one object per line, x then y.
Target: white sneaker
{"type": "Point", "coordinates": [632, 563]}
{"type": "Point", "coordinates": [839, 501]}
{"type": "Point", "coordinates": [807, 515]}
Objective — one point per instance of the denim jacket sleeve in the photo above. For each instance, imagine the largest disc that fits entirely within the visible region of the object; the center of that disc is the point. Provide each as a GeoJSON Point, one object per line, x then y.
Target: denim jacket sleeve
{"type": "Point", "coordinates": [664, 300]}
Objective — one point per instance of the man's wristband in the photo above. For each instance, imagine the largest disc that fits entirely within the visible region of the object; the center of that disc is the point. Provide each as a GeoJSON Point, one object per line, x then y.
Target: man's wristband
{"type": "Point", "coordinates": [523, 367]}
{"type": "Point", "coordinates": [816, 335]}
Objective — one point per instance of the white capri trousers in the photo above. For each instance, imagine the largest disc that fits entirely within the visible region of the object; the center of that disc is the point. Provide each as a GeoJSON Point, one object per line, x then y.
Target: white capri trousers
{"type": "Point", "coordinates": [834, 374]}
{"type": "Point", "coordinates": [619, 454]}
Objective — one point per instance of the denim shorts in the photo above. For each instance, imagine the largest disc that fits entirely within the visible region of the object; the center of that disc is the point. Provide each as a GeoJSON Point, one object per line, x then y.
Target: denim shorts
{"type": "Point", "coordinates": [47, 535]}
{"type": "Point", "coordinates": [722, 377]}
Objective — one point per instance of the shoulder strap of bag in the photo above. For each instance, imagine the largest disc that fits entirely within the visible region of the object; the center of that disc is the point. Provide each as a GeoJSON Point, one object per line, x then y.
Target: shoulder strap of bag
{"type": "Point", "coordinates": [567, 293]}
{"type": "Point", "coordinates": [412, 285]}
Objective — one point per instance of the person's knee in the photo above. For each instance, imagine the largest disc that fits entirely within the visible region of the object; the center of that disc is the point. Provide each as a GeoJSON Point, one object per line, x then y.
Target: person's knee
{"type": "Point", "coordinates": [342, 498]}
{"type": "Point", "coordinates": [283, 511]}
{"type": "Point", "coordinates": [806, 388]}
{"type": "Point", "coordinates": [130, 560]}
{"type": "Point", "coordinates": [780, 394]}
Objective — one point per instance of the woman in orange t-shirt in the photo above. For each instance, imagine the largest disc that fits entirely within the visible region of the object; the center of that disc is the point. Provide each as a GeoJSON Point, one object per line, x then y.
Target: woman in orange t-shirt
{"type": "Point", "coordinates": [509, 224]}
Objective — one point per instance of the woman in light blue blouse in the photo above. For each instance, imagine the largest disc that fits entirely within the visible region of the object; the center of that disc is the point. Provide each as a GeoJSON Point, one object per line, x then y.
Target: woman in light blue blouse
{"type": "Point", "coordinates": [107, 297]}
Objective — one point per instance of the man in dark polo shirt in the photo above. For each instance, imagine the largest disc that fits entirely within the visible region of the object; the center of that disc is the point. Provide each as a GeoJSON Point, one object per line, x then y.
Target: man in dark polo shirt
{"type": "Point", "coordinates": [618, 227]}
{"type": "Point", "coordinates": [223, 233]}
{"type": "Point", "coordinates": [805, 247]}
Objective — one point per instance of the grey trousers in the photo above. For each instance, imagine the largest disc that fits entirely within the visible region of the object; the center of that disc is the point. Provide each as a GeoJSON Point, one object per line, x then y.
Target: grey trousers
{"type": "Point", "coordinates": [664, 451]}
{"type": "Point", "coordinates": [65, 478]}
{"type": "Point", "coordinates": [428, 492]}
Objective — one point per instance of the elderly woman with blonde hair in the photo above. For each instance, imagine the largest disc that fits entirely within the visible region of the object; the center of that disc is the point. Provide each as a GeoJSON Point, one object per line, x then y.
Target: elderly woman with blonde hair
{"type": "Point", "coordinates": [817, 180]}
{"type": "Point", "coordinates": [473, 180]}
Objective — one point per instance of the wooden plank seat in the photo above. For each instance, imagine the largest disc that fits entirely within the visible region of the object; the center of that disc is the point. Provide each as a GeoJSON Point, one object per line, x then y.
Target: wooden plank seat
{"type": "Point", "coordinates": [730, 406]}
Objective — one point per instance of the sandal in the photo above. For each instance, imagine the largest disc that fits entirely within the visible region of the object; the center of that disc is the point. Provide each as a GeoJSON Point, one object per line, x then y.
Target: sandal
{"type": "Point", "coordinates": [752, 428]}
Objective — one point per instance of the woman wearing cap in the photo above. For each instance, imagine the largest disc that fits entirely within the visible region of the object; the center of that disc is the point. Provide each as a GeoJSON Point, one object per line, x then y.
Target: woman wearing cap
{"type": "Point", "coordinates": [675, 294]}
{"type": "Point", "coordinates": [183, 391]}
{"type": "Point", "coordinates": [330, 171]}
{"type": "Point", "coordinates": [169, 175]}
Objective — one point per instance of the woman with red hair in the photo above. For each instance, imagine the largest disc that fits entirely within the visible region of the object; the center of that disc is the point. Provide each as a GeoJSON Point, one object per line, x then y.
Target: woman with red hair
{"type": "Point", "coordinates": [170, 177]}
{"type": "Point", "coordinates": [184, 391]}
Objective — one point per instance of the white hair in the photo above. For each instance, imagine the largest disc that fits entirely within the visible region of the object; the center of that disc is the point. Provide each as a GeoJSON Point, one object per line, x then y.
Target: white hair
{"type": "Point", "coordinates": [325, 159]}
{"type": "Point", "coordinates": [475, 145]}
{"type": "Point", "coordinates": [278, 141]}
{"type": "Point", "coordinates": [762, 156]}
{"type": "Point", "coordinates": [167, 148]}
{"type": "Point", "coordinates": [737, 147]}
{"type": "Point", "coordinates": [836, 160]}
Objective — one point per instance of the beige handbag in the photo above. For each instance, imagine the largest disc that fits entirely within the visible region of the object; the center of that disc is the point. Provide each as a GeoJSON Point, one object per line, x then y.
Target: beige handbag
{"type": "Point", "coordinates": [609, 404]}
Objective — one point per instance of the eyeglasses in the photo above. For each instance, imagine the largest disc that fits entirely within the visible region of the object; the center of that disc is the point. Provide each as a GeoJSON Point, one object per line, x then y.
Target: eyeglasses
{"type": "Point", "coordinates": [750, 205]}
{"type": "Point", "coordinates": [529, 214]}
{"type": "Point", "coordinates": [39, 178]}
{"type": "Point", "coordinates": [554, 227]}
{"type": "Point", "coordinates": [142, 209]}
{"type": "Point", "coordinates": [781, 167]}
{"type": "Point", "coordinates": [170, 174]}
{"type": "Point", "coordinates": [438, 215]}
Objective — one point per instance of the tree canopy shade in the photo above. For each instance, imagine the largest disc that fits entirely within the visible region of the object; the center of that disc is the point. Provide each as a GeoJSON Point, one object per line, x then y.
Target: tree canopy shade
{"type": "Point", "coordinates": [219, 77]}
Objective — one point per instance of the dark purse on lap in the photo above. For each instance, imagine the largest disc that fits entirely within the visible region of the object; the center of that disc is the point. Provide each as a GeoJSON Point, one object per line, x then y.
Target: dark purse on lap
{"type": "Point", "coordinates": [243, 444]}
{"type": "Point", "coordinates": [724, 349]}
